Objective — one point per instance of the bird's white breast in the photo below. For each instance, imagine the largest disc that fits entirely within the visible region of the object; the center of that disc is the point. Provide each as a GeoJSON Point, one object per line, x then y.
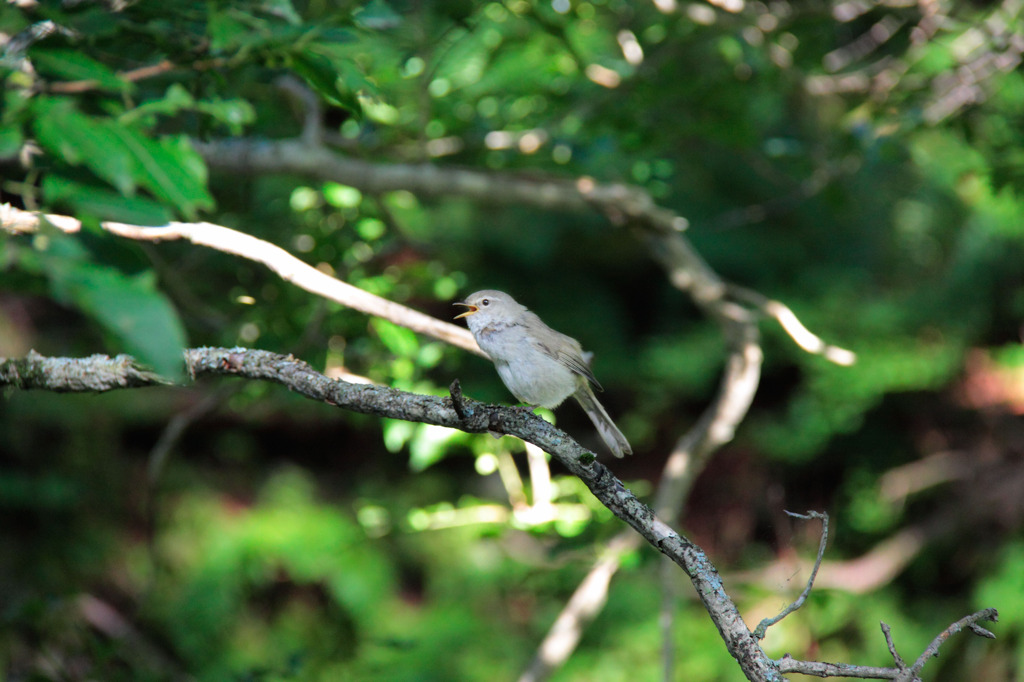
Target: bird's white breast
{"type": "Point", "coordinates": [532, 375]}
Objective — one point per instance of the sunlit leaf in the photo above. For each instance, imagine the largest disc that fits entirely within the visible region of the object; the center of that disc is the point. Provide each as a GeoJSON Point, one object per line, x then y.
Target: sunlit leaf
{"type": "Point", "coordinates": [402, 342]}
{"type": "Point", "coordinates": [169, 168]}
{"type": "Point", "coordinates": [429, 445]}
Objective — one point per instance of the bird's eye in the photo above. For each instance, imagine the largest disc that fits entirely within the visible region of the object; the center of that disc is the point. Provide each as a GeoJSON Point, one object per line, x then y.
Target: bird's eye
{"type": "Point", "coordinates": [486, 301]}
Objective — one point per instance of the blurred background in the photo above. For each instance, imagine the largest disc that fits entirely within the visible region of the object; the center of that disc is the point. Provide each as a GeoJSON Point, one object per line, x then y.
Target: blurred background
{"type": "Point", "coordinates": [857, 160]}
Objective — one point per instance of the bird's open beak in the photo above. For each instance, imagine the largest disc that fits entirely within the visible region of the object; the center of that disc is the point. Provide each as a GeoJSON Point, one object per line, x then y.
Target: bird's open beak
{"type": "Point", "coordinates": [472, 310]}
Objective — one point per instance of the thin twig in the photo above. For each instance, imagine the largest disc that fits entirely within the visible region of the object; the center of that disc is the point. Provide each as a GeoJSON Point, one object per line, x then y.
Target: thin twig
{"type": "Point", "coordinates": [80, 86]}
{"type": "Point", "coordinates": [900, 672]}
{"type": "Point", "coordinates": [132, 75]}
{"type": "Point", "coordinates": [887, 633]}
{"type": "Point", "coordinates": [788, 664]}
{"type": "Point", "coordinates": [969, 622]}
{"type": "Point", "coordinates": [762, 627]}
{"type": "Point", "coordinates": [455, 391]}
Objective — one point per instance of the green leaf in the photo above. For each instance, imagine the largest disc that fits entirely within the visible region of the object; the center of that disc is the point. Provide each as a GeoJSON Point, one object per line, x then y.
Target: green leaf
{"type": "Point", "coordinates": [124, 157]}
{"type": "Point", "coordinates": [73, 65]}
{"type": "Point", "coordinates": [129, 307]}
{"type": "Point", "coordinates": [283, 9]}
{"type": "Point", "coordinates": [399, 340]}
{"type": "Point", "coordinates": [175, 99]}
{"type": "Point", "coordinates": [233, 113]}
{"type": "Point", "coordinates": [12, 21]}
{"type": "Point", "coordinates": [81, 140]}
{"type": "Point", "coordinates": [226, 32]}
{"type": "Point", "coordinates": [377, 15]}
{"type": "Point", "coordinates": [320, 72]}
{"type": "Point", "coordinates": [168, 168]}
{"type": "Point", "coordinates": [10, 141]}
{"type": "Point", "coordinates": [101, 203]}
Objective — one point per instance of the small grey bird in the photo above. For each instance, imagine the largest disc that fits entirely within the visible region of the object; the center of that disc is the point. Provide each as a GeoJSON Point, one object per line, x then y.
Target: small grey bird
{"type": "Point", "coordinates": [540, 366]}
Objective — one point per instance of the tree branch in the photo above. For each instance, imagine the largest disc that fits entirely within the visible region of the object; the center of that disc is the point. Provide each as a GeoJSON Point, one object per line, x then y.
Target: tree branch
{"type": "Point", "coordinates": [285, 265]}
{"type": "Point", "coordinates": [94, 374]}
{"type": "Point", "coordinates": [762, 627]}
{"type": "Point", "coordinates": [901, 672]}
{"type": "Point", "coordinates": [476, 417]}
{"type": "Point", "coordinates": [254, 157]}
{"type": "Point", "coordinates": [100, 373]}
{"type": "Point", "coordinates": [621, 203]}
{"type": "Point", "coordinates": [969, 622]}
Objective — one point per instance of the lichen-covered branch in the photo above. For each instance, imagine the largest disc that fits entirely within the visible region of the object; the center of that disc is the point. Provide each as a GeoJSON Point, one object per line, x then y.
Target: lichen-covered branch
{"type": "Point", "coordinates": [101, 373]}
{"type": "Point", "coordinates": [470, 416]}
{"type": "Point", "coordinates": [966, 623]}
{"type": "Point", "coordinates": [901, 672]}
{"type": "Point", "coordinates": [94, 374]}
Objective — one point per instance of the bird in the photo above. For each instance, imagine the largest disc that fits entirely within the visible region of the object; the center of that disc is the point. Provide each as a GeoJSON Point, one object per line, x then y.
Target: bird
{"type": "Point", "coordinates": [540, 366]}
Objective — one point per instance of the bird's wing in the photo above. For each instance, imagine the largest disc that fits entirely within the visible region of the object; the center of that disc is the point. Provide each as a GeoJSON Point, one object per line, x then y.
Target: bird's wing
{"type": "Point", "coordinates": [563, 349]}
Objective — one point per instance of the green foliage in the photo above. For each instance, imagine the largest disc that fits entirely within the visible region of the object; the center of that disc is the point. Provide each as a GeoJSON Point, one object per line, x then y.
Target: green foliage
{"type": "Point", "coordinates": [1004, 587]}
{"type": "Point", "coordinates": [267, 576]}
{"type": "Point", "coordinates": [130, 308]}
{"type": "Point", "coordinates": [123, 157]}
{"type": "Point", "coordinates": [65, 64]}
{"type": "Point", "coordinates": [856, 185]}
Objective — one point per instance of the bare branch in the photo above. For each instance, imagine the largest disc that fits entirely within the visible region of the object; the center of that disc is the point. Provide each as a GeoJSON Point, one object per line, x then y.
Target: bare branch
{"type": "Point", "coordinates": [788, 664]}
{"type": "Point", "coordinates": [476, 417]}
{"type": "Point", "coordinates": [970, 622]}
{"type": "Point", "coordinates": [901, 672]}
{"type": "Point", "coordinates": [789, 322]}
{"type": "Point", "coordinates": [887, 633]}
{"type": "Point", "coordinates": [94, 374]}
{"type": "Point", "coordinates": [763, 626]}
{"type": "Point", "coordinates": [427, 180]}
{"type": "Point", "coordinates": [287, 266]}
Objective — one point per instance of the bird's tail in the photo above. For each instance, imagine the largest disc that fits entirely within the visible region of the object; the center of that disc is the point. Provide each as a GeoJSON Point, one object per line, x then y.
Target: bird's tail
{"type": "Point", "coordinates": [610, 433]}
